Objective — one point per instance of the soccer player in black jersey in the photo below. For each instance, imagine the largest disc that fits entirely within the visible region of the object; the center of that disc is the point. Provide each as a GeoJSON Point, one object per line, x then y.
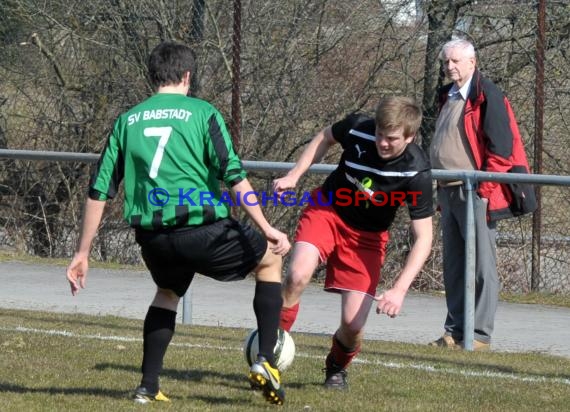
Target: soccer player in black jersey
{"type": "Point", "coordinates": [170, 151]}
{"type": "Point", "coordinates": [347, 224]}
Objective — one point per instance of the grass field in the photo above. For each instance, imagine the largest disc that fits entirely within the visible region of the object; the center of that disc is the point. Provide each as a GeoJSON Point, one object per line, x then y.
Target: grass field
{"type": "Point", "coordinates": [62, 362]}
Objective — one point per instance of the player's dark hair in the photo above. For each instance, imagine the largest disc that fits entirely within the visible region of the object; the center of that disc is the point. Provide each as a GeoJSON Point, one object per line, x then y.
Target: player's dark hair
{"type": "Point", "coordinates": [168, 62]}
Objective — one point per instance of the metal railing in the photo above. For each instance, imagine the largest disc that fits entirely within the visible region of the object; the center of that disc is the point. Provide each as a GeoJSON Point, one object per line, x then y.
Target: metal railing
{"type": "Point", "coordinates": [469, 178]}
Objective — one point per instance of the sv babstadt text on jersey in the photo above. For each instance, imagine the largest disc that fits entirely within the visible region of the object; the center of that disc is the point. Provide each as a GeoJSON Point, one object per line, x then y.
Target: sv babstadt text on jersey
{"type": "Point", "coordinates": [158, 114]}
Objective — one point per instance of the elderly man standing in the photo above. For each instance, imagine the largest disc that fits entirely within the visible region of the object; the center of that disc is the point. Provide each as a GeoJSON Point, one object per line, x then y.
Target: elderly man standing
{"type": "Point", "coordinates": [475, 130]}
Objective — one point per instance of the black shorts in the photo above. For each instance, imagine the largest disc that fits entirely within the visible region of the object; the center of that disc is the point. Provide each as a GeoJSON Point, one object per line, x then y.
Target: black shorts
{"type": "Point", "coordinates": [224, 250]}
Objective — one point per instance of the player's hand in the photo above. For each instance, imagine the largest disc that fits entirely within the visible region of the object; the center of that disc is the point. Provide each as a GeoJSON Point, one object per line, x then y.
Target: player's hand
{"type": "Point", "coordinates": [278, 241]}
{"type": "Point", "coordinates": [390, 302]}
{"type": "Point", "coordinates": [77, 272]}
{"type": "Point", "coordinates": [284, 183]}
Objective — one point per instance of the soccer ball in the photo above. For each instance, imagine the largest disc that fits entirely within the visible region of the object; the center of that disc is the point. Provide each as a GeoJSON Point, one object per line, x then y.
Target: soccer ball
{"type": "Point", "coordinates": [284, 349]}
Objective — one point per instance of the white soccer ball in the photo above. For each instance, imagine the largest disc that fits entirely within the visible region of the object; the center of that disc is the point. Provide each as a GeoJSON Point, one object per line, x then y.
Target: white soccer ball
{"type": "Point", "coordinates": [284, 349]}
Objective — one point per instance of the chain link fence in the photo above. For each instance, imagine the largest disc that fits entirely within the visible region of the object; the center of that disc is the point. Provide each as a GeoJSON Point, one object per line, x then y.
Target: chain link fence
{"type": "Point", "coordinates": [69, 69]}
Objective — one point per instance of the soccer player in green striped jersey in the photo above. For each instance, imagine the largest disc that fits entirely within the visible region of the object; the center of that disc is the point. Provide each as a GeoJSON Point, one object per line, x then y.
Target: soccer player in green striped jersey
{"type": "Point", "coordinates": [171, 151]}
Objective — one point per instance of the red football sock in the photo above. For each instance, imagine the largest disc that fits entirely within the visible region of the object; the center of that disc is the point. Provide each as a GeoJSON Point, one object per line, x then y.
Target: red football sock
{"type": "Point", "coordinates": [340, 356]}
{"type": "Point", "coordinates": [288, 317]}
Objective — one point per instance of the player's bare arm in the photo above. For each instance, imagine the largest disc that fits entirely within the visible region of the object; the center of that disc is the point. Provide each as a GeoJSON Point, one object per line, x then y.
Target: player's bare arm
{"type": "Point", "coordinates": [278, 241]}
{"type": "Point", "coordinates": [390, 302]}
{"type": "Point", "coordinates": [77, 269]}
{"type": "Point", "coordinates": [313, 153]}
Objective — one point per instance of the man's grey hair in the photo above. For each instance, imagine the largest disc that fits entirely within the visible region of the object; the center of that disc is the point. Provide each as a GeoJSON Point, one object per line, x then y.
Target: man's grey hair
{"type": "Point", "coordinates": [463, 44]}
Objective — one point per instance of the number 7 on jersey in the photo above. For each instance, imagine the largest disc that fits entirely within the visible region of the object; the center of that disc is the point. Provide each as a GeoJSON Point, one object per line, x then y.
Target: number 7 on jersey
{"type": "Point", "coordinates": [164, 134]}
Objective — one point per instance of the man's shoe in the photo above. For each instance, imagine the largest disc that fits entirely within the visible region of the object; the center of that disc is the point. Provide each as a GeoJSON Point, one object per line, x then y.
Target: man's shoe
{"type": "Point", "coordinates": [479, 346]}
{"type": "Point", "coordinates": [446, 341]}
{"type": "Point", "coordinates": [143, 396]}
{"type": "Point", "coordinates": [335, 378]}
{"type": "Point", "coordinates": [267, 378]}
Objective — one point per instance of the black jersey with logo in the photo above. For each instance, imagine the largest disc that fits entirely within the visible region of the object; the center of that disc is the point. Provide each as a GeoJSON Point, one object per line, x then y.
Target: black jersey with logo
{"type": "Point", "coordinates": [406, 178]}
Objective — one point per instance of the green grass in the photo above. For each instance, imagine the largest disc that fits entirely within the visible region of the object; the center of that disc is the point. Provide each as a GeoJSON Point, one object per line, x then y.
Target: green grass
{"type": "Point", "coordinates": [62, 362]}
{"type": "Point", "coordinates": [13, 256]}
{"type": "Point", "coordinates": [538, 298]}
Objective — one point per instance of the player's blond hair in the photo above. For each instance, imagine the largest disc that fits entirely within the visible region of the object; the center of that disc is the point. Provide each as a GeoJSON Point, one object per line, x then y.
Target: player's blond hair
{"type": "Point", "coordinates": [394, 112]}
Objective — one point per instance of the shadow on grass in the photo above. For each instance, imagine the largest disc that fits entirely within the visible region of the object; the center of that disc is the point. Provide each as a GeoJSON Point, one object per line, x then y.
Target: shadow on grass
{"type": "Point", "coordinates": [114, 394]}
{"type": "Point", "coordinates": [69, 321]}
{"type": "Point", "coordinates": [194, 375]}
{"type": "Point", "coordinates": [231, 380]}
{"type": "Point", "coordinates": [109, 393]}
{"type": "Point", "coordinates": [79, 319]}
{"type": "Point", "coordinates": [211, 400]}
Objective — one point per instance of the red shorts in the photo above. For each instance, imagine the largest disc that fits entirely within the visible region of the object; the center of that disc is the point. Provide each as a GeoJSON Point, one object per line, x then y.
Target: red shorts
{"type": "Point", "coordinates": [353, 257]}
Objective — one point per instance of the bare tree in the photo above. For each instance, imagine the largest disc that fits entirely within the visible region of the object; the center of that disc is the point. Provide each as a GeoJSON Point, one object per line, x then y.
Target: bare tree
{"type": "Point", "coordinates": [70, 67]}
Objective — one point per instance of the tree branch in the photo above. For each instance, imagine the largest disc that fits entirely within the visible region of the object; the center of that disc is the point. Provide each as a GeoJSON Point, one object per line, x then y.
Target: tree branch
{"type": "Point", "coordinates": [57, 68]}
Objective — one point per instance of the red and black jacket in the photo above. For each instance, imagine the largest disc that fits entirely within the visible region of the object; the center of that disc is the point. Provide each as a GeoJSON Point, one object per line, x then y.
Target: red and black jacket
{"type": "Point", "coordinates": [494, 139]}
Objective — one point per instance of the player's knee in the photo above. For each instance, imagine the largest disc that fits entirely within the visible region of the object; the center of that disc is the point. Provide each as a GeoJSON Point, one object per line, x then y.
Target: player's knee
{"type": "Point", "coordinates": [297, 279]}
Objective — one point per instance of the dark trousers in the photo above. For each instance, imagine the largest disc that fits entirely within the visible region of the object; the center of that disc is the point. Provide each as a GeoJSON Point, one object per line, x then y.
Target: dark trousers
{"type": "Point", "coordinates": [453, 224]}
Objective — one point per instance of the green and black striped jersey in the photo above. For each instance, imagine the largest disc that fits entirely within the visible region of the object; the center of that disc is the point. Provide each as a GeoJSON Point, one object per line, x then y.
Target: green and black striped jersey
{"type": "Point", "coordinates": [172, 151]}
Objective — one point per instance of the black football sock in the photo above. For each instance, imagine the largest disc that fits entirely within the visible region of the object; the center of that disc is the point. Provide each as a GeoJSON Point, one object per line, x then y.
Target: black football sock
{"type": "Point", "coordinates": [157, 332]}
{"type": "Point", "coordinates": [267, 304]}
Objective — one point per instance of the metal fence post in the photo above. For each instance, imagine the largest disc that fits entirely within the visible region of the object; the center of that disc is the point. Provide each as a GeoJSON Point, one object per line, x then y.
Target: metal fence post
{"type": "Point", "coordinates": [469, 308]}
